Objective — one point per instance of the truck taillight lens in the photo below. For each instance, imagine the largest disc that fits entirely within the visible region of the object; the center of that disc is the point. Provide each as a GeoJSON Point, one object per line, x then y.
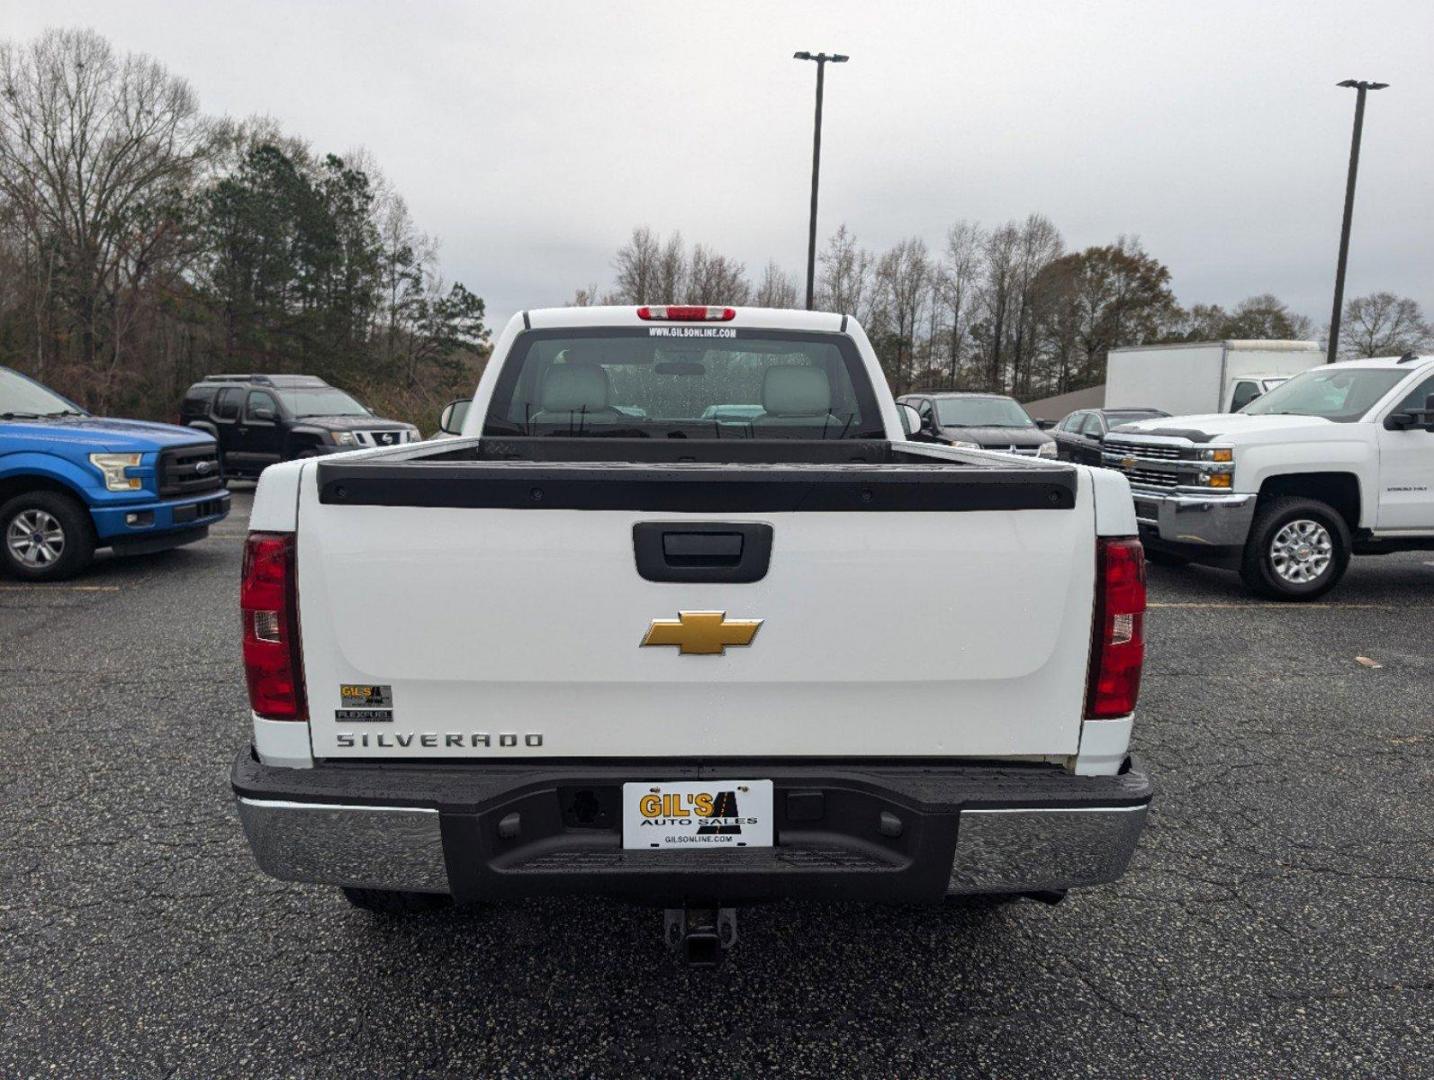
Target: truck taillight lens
{"type": "Point", "coordinates": [268, 599]}
{"type": "Point", "coordinates": [686, 313]}
{"type": "Point", "coordinates": [1118, 645]}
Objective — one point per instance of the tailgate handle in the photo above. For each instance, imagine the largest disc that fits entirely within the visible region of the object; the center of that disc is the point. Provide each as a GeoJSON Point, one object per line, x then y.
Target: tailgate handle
{"type": "Point", "coordinates": [719, 551]}
{"type": "Point", "coordinates": [702, 548]}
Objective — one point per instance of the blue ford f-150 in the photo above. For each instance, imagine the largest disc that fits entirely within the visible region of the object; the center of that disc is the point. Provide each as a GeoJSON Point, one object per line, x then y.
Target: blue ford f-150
{"type": "Point", "coordinates": [71, 482]}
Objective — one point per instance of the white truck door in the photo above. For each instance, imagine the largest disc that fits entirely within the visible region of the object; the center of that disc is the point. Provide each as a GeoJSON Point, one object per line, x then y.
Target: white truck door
{"type": "Point", "coordinates": [1406, 470]}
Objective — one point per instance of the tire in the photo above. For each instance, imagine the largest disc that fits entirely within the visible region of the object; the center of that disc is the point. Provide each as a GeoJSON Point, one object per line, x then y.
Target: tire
{"type": "Point", "coordinates": [45, 536]}
{"type": "Point", "coordinates": [396, 902]}
{"type": "Point", "coordinates": [1298, 549]}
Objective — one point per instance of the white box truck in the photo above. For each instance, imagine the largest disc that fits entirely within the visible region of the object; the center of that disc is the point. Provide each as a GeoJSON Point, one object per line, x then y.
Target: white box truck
{"type": "Point", "coordinates": [1203, 377]}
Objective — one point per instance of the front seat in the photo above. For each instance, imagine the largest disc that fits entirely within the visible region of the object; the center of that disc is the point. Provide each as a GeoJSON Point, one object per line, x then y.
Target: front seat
{"type": "Point", "coordinates": [796, 396]}
{"type": "Point", "coordinates": [574, 394]}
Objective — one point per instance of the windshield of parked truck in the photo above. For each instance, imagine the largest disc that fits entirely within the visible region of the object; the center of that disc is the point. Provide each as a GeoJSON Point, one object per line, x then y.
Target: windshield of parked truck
{"type": "Point", "coordinates": [324, 401]}
{"type": "Point", "coordinates": [1343, 395]}
{"type": "Point", "coordinates": [22, 399]}
{"type": "Point", "coordinates": [982, 412]}
{"type": "Point", "coordinates": [684, 382]}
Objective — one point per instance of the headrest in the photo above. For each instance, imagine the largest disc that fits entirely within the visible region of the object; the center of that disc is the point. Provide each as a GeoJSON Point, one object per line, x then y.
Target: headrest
{"type": "Point", "coordinates": [574, 388]}
{"type": "Point", "coordinates": [792, 390]}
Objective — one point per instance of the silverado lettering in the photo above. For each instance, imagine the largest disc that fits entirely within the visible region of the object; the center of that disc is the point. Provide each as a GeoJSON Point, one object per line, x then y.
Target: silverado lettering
{"type": "Point", "coordinates": [349, 740]}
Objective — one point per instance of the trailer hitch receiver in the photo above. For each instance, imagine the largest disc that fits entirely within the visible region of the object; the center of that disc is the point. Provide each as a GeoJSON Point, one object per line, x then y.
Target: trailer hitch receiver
{"type": "Point", "coordinates": [700, 936]}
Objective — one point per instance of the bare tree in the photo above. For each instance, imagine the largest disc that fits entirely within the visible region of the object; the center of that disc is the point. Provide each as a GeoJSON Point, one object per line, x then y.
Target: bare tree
{"type": "Point", "coordinates": [1039, 243]}
{"type": "Point", "coordinates": [1382, 324]}
{"type": "Point", "coordinates": [716, 279]}
{"type": "Point", "coordinates": [672, 271]}
{"type": "Point", "coordinates": [637, 265]}
{"type": "Point", "coordinates": [778, 288]}
{"type": "Point", "coordinates": [959, 271]}
{"type": "Point", "coordinates": [97, 156]}
{"type": "Point", "coordinates": [406, 267]}
{"type": "Point", "coordinates": [844, 281]}
{"type": "Point", "coordinates": [1000, 258]}
{"type": "Point", "coordinates": [903, 277]}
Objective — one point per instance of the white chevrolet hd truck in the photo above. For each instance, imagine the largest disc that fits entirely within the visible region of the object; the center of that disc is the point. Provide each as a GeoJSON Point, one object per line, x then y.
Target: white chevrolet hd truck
{"type": "Point", "coordinates": [682, 617]}
{"type": "Point", "coordinates": [1338, 461]}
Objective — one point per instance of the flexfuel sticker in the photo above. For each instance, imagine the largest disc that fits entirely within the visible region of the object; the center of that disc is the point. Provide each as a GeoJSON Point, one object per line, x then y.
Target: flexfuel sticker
{"type": "Point", "coordinates": [364, 716]}
{"type": "Point", "coordinates": [365, 696]}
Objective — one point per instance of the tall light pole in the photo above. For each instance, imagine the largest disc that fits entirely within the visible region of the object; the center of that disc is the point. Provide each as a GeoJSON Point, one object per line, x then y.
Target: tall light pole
{"type": "Point", "coordinates": [821, 61]}
{"type": "Point", "coordinates": [1363, 88]}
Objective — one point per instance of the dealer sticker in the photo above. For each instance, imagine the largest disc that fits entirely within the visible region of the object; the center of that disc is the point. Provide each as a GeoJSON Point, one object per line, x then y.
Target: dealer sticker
{"type": "Point", "coordinates": [703, 814]}
{"type": "Point", "coordinates": [365, 696]}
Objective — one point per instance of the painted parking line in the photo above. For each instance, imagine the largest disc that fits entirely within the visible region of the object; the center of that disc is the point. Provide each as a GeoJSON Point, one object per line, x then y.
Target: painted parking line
{"type": "Point", "coordinates": [59, 588]}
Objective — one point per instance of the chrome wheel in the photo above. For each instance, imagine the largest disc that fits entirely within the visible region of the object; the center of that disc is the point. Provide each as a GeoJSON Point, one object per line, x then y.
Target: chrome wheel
{"type": "Point", "coordinates": [1301, 551]}
{"type": "Point", "coordinates": [35, 538]}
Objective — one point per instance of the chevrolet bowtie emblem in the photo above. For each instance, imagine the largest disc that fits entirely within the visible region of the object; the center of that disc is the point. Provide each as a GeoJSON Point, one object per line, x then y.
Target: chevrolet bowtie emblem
{"type": "Point", "coordinates": [701, 633]}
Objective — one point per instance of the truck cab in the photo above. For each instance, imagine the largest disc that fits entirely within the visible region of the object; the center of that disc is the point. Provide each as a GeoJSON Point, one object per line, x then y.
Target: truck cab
{"type": "Point", "coordinates": [1335, 462]}
{"type": "Point", "coordinates": [71, 483]}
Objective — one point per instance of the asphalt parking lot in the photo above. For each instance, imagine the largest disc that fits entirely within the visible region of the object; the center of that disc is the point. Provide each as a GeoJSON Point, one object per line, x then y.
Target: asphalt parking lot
{"type": "Point", "coordinates": [1276, 921]}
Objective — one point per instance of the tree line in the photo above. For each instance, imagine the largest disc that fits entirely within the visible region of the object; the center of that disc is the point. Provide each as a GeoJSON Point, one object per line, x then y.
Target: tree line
{"type": "Point", "coordinates": [1005, 308]}
{"type": "Point", "coordinates": [144, 245]}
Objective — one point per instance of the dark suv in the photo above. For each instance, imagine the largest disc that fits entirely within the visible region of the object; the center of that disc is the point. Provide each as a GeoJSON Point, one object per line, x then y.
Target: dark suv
{"type": "Point", "coordinates": [261, 419]}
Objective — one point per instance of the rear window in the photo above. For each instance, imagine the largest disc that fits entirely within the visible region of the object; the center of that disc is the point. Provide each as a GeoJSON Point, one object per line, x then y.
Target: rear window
{"type": "Point", "coordinates": [198, 398]}
{"type": "Point", "coordinates": [228, 407]}
{"type": "Point", "coordinates": [684, 382]}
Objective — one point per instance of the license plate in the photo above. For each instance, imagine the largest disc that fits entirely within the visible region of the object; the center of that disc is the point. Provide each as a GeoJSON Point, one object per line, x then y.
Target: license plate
{"type": "Point", "coordinates": [697, 815]}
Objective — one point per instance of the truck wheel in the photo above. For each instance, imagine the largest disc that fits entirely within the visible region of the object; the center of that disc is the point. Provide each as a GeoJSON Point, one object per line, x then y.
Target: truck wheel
{"type": "Point", "coordinates": [396, 902]}
{"type": "Point", "coordinates": [1298, 550]}
{"type": "Point", "coordinates": [45, 536]}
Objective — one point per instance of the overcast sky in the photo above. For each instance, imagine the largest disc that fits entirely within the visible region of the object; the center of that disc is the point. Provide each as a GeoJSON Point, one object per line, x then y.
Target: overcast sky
{"type": "Point", "coordinates": [531, 137]}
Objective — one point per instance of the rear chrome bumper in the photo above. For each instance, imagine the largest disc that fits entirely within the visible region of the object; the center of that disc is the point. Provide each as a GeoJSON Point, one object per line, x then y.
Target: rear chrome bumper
{"type": "Point", "coordinates": [374, 847]}
{"type": "Point", "coordinates": [898, 832]}
{"type": "Point", "coordinates": [1206, 520]}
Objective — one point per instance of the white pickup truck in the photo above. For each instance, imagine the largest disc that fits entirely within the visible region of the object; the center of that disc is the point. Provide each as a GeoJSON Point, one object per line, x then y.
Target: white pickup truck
{"type": "Point", "coordinates": [682, 617]}
{"type": "Point", "coordinates": [1338, 461]}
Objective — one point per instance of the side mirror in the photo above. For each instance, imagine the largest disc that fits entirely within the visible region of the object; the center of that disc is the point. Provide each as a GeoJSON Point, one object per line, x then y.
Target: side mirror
{"type": "Point", "coordinates": [266, 415]}
{"type": "Point", "coordinates": [450, 421]}
{"type": "Point", "coordinates": [1411, 418]}
{"type": "Point", "coordinates": [1045, 425]}
{"type": "Point", "coordinates": [910, 418]}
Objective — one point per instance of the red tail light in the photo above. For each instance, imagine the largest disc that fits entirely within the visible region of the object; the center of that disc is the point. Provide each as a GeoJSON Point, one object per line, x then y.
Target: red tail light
{"type": "Point", "coordinates": [268, 598]}
{"type": "Point", "coordinates": [687, 313]}
{"type": "Point", "coordinates": [1118, 645]}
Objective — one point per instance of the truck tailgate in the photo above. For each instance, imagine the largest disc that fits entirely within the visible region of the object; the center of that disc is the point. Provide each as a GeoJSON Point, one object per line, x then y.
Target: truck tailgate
{"type": "Point", "coordinates": [445, 615]}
